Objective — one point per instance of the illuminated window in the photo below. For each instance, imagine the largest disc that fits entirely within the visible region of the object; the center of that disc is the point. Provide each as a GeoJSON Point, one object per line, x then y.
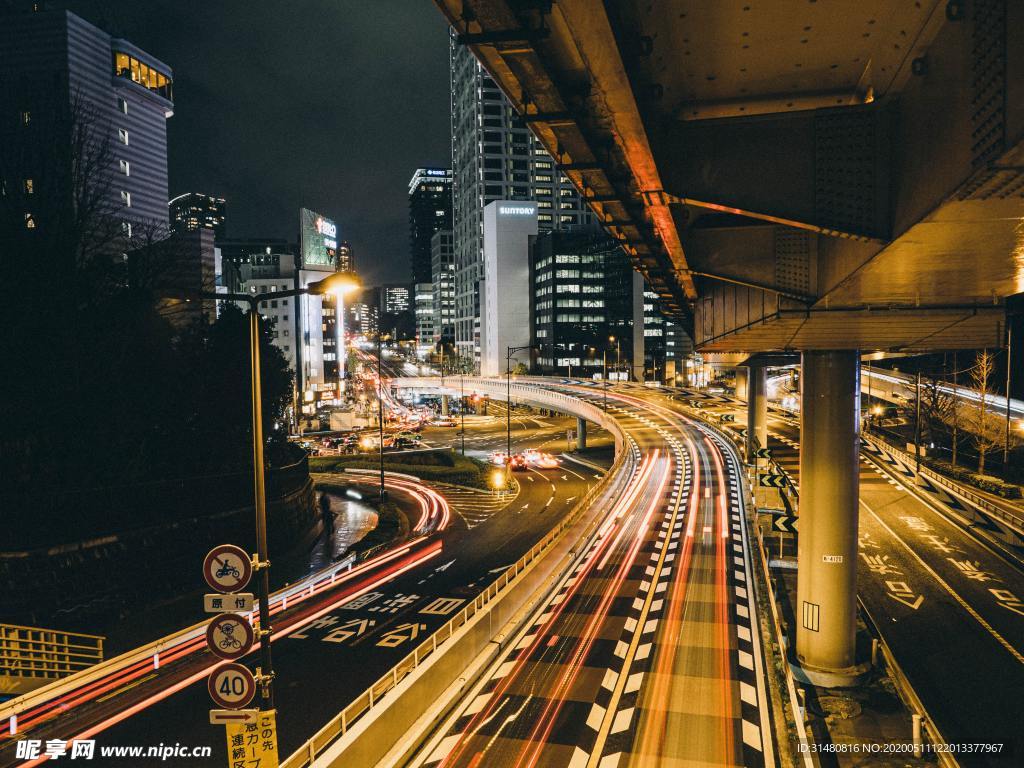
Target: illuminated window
{"type": "Point", "coordinates": [125, 167]}
{"type": "Point", "coordinates": [29, 186]}
{"type": "Point", "coordinates": [126, 198]}
{"type": "Point", "coordinates": [30, 223]}
{"type": "Point", "coordinates": [122, 105]}
{"type": "Point", "coordinates": [122, 136]}
{"type": "Point", "coordinates": [26, 118]}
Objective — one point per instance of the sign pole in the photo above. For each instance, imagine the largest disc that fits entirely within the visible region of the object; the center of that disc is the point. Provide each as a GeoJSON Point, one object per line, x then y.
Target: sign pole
{"type": "Point", "coordinates": [263, 564]}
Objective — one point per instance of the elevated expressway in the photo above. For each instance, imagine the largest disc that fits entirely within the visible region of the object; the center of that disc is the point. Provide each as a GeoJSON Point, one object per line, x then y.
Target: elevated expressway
{"type": "Point", "coordinates": [646, 649]}
{"type": "Point", "coordinates": [822, 178]}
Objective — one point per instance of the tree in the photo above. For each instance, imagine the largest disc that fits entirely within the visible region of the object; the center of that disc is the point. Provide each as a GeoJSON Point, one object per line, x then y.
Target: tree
{"type": "Point", "coordinates": [985, 425]}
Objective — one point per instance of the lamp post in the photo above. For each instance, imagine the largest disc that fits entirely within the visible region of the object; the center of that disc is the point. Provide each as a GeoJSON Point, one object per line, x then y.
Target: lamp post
{"type": "Point", "coordinates": [462, 409]}
{"type": "Point", "coordinates": [508, 399]}
{"type": "Point", "coordinates": [615, 341]}
{"type": "Point", "coordinates": [604, 375]}
{"type": "Point", "coordinates": [380, 412]}
{"type": "Point", "coordinates": [338, 283]}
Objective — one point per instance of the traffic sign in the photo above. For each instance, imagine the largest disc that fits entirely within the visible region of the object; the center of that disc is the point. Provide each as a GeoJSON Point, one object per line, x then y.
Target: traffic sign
{"type": "Point", "coordinates": [231, 716]}
{"type": "Point", "coordinates": [784, 523]}
{"type": "Point", "coordinates": [763, 453]}
{"type": "Point", "coordinates": [769, 480]}
{"type": "Point", "coordinates": [254, 743]}
{"type": "Point", "coordinates": [728, 417]}
{"type": "Point", "coordinates": [240, 602]}
{"type": "Point", "coordinates": [231, 685]}
{"type": "Point", "coordinates": [227, 568]}
{"type": "Point", "coordinates": [229, 636]}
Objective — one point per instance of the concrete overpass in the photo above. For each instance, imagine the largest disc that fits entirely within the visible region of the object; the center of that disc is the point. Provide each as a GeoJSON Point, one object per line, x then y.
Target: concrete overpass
{"type": "Point", "coordinates": [797, 175]}
{"type": "Point", "coordinates": [787, 175]}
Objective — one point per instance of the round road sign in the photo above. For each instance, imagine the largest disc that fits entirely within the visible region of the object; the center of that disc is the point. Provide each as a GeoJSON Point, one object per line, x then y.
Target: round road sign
{"type": "Point", "coordinates": [227, 568]}
{"type": "Point", "coordinates": [231, 685]}
{"type": "Point", "coordinates": [229, 636]}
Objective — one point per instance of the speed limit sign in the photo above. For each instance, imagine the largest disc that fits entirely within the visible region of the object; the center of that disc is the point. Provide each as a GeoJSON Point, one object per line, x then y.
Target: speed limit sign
{"type": "Point", "coordinates": [231, 685]}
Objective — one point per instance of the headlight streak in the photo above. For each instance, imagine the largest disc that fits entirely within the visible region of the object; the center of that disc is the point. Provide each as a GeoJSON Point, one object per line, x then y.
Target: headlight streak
{"type": "Point", "coordinates": [601, 545]}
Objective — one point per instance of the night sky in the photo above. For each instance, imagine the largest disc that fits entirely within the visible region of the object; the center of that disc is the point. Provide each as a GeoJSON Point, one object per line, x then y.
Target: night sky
{"type": "Point", "coordinates": [327, 104]}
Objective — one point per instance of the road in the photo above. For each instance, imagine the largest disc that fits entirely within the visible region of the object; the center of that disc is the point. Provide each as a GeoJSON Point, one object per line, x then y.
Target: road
{"type": "Point", "coordinates": [949, 606]}
{"type": "Point", "coordinates": [644, 654]}
{"type": "Point", "coordinates": [337, 642]}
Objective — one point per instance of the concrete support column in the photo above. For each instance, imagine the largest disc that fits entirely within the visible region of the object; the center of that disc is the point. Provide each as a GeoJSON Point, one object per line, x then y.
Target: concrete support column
{"type": "Point", "coordinates": [757, 410]}
{"type": "Point", "coordinates": [741, 383]}
{"type": "Point", "coordinates": [829, 493]}
{"type": "Point", "coordinates": [581, 434]}
{"type": "Point", "coordinates": [444, 405]}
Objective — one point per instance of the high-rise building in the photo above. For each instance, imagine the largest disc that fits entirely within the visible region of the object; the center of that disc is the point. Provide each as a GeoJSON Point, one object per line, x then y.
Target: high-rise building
{"type": "Point", "coordinates": [270, 272]}
{"type": "Point", "coordinates": [494, 157]}
{"type": "Point", "coordinates": [395, 299]}
{"type": "Point", "coordinates": [430, 210]}
{"type": "Point", "coordinates": [423, 301]}
{"type": "Point", "coordinates": [192, 210]}
{"type": "Point", "coordinates": [590, 308]}
{"type": "Point", "coordinates": [89, 103]}
{"type": "Point", "coordinates": [505, 287]}
{"type": "Point", "coordinates": [442, 270]}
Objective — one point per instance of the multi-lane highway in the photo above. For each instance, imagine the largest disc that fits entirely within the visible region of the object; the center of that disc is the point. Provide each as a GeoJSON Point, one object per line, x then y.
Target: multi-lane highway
{"type": "Point", "coordinates": [645, 653]}
{"type": "Point", "coordinates": [329, 645]}
{"type": "Point", "coordinates": [948, 604]}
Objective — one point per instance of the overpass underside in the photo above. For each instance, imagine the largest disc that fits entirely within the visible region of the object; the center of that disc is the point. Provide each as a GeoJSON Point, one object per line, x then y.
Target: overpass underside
{"type": "Point", "coordinates": [787, 175]}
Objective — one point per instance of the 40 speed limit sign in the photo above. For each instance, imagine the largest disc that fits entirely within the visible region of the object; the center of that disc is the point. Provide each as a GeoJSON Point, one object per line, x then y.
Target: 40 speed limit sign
{"type": "Point", "coordinates": [231, 685]}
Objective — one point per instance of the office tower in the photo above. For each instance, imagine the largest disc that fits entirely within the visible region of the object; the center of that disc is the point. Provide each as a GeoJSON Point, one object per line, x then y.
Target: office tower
{"type": "Point", "coordinates": [423, 302]}
{"type": "Point", "coordinates": [442, 270]}
{"type": "Point", "coordinates": [430, 210]}
{"type": "Point", "coordinates": [505, 287]}
{"type": "Point", "coordinates": [194, 210]}
{"type": "Point", "coordinates": [494, 157]}
{"type": "Point", "coordinates": [89, 110]}
{"type": "Point", "coordinates": [590, 308]}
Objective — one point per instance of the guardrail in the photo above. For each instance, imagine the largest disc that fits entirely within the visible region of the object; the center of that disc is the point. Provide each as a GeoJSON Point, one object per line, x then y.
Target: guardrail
{"type": "Point", "coordinates": [371, 697]}
{"type": "Point", "coordinates": [906, 691]}
{"type": "Point", "coordinates": [29, 656]}
{"type": "Point", "coordinates": [172, 647]}
{"type": "Point", "coordinates": [1015, 521]}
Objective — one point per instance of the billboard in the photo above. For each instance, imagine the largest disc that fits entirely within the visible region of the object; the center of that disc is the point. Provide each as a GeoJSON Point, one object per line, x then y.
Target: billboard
{"type": "Point", "coordinates": [318, 241]}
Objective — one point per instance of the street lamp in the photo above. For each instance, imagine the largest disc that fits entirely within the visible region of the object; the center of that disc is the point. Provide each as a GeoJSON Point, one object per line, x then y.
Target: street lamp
{"type": "Point", "coordinates": [380, 409]}
{"type": "Point", "coordinates": [329, 284]}
{"type": "Point", "coordinates": [341, 283]}
{"type": "Point", "coordinates": [508, 399]}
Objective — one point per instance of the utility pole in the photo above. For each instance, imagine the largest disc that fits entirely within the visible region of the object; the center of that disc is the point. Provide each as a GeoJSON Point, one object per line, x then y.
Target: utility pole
{"type": "Point", "coordinates": [380, 412]}
{"type": "Point", "coordinates": [605, 376]}
{"type": "Point", "coordinates": [917, 427]}
{"type": "Point", "coordinates": [1009, 364]}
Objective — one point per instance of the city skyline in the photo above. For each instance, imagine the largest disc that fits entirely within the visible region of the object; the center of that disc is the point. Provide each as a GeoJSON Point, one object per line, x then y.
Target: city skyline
{"type": "Point", "coordinates": [351, 164]}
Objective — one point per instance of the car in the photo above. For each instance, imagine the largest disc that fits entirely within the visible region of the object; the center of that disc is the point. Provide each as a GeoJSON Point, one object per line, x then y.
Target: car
{"type": "Point", "coordinates": [498, 458]}
{"type": "Point", "coordinates": [443, 423]}
{"type": "Point", "coordinates": [518, 463]}
{"type": "Point", "coordinates": [546, 461]}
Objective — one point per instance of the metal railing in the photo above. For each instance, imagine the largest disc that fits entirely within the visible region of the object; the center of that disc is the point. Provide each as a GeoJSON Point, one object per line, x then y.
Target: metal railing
{"type": "Point", "coordinates": [371, 697]}
{"type": "Point", "coordinates": [30, 655]}
{"type": "Point", "coordinates": [953, 486]}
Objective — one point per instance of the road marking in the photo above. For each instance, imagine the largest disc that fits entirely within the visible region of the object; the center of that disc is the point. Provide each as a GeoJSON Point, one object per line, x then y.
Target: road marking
{"type": "Point", "coordinates": [966, 606]}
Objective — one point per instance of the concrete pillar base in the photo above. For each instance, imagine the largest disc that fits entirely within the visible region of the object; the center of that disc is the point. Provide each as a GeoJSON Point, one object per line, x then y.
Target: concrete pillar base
{"type": "Point", "coordinates": [444, 405]}
{"type": "Point", "coordinates": [831, 678]}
